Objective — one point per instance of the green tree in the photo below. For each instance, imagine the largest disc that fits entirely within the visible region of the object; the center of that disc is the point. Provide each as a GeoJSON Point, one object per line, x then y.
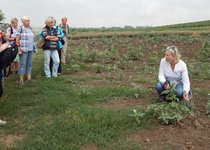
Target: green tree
{"type": "Point", "coordinates": [1, 16]}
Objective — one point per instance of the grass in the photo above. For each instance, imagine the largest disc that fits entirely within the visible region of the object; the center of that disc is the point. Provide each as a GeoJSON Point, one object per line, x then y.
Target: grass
{"type": "Point", "coordinates": [53, 114]}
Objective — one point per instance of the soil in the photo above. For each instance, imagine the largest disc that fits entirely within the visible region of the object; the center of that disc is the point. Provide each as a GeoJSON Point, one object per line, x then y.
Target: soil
{"type": "Point", "coordinates": [192, 133]}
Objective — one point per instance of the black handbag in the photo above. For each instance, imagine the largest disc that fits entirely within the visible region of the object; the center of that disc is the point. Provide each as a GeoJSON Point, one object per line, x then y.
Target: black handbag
{"type": "Point", "coordinates": [7, 57]}
{"type": "Point", "coordinates": [62, 41]}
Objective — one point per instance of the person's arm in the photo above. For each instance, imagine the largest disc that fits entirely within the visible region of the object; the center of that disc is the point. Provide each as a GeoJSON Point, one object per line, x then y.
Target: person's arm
{"type": "Point", "coordinates": [49, 37]}
{"type": "Point", "coordinates": [18, 40]}
{"type": "Point", "coordinates": [161, 74]}
{"type": "Point", "coordinates": [3, 46]}
{"type": "Point", "coordinates": [186, 82]}
{"type": "Point", "coordinates": [8, 38]}
{"type": "Point", "coordinates": [8, 35]}
{"type": "Point", "coordinates": [18, 44]}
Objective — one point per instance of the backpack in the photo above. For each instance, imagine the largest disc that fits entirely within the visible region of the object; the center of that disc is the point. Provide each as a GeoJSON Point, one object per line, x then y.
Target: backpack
{"type": "Point", "coordinates": [61, 39]}
{"type": "Point", "coordinates": [7, 57]}
{"type": "Point", "coordinates": [11, 31]}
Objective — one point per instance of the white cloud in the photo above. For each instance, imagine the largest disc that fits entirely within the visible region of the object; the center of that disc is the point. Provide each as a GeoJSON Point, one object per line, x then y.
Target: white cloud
{"type": "Point", "coordinates": [98, 13]}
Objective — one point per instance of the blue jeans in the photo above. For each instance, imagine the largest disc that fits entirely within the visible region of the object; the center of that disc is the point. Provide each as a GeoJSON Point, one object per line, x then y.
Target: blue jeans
{"type": "Point", "coordinates": [54, 55]}
{"type": "Point", "coordinates": [178, 89]}
{"type": "Point", "coordinates": [25, 64]}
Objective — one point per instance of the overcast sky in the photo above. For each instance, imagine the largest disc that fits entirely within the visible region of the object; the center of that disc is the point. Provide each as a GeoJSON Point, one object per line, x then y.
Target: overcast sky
{"type": "Point", "coordinates": [108, 13]}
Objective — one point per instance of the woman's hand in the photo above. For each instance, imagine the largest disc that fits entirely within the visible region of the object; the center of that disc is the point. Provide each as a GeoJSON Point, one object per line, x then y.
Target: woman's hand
{"type": "Point", "coordinates": [56, 39]}
{"type": "Point", "coordinates": [165, 85]}
{"type": "Point", "coordinates": [186, 97]}
{"type": "Point", "coordinates": [19, 51]}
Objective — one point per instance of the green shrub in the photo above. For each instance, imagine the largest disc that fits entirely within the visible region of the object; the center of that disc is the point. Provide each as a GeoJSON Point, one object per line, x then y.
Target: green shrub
{"type": "Point", "coordinates": [75, 68]}
{"type": "Point", "coordinates": [133, 53]}
{"type": "Point", "coordinates": [205, 51]}
{"type": "Point", "coordinates": [167, 112]}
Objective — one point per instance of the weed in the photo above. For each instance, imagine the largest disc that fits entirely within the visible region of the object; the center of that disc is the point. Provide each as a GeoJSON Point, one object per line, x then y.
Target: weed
{"type": "Point", "coordinates": [133, 54]}
{"type": "Point", "coordinates": [98, 68]}
{"type": "Point", "coordinates": [168, 113]}
{"type": "Point", "coordinates": [154, 57]}
{"type": "Point", "coordinates": [205, 51]}
{"type": "Point", "coordinates": [90, 56]}
{"type": "Point", "coordinates": [122, 64]}
{"type": "Point", "coordinates": [75, 68]}
{"type": "Point", "coordinates": [136, 90]}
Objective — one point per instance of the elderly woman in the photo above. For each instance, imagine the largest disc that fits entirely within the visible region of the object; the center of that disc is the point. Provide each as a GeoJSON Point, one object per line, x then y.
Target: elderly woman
{"type": "Point", "coordinates": [173, 71]}
{"type": "Point", "coordinates": [26, 42]}
{"type": "Point", "coordinates": [59, 46]}
{"type": "Point", "coordinates": [50, 36]}
{"type": "Point", "coordinates": [11, 37]}
{"type": "Point", "coordinates": [65, 28]}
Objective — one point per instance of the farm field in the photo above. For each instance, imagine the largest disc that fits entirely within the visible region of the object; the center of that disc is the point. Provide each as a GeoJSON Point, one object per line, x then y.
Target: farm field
{"type": "Point", "coordinates": [106, 77]}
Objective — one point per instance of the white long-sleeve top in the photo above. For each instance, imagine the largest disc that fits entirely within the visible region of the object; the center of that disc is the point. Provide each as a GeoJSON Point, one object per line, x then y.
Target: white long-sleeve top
{"type": "Point", "coordinates": [178, 75]}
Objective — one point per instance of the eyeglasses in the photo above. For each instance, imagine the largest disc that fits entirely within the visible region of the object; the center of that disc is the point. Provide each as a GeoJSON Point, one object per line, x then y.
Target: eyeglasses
{"type": "Point", "coordinates": [172, 48]}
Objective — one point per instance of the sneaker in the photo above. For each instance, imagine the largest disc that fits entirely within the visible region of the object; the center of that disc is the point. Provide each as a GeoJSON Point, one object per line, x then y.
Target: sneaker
{"type": "Point", "coordinates": [161, 98]}
{"type": "Point", "coordinates": [16, 72]}
{"type": "Point", "coordinates": [2, 122]}
{"type": "Point", "coordinates": [31, 82]}
{"type": "Point", "coordinates": [21, 83]}
{"type": "Point", "coordinates": [58, 74]}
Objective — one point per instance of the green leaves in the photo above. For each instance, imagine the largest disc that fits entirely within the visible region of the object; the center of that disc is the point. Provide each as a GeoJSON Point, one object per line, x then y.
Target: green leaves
{"type": "Point", "coordinates": [167, 113]}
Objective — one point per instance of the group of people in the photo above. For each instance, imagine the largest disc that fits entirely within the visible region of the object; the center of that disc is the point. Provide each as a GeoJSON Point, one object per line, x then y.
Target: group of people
{"type": "Point", "coordinates": [54, 49]}
{"type": "Point", "coordinates": [172, 69]}
{"type": "Point", "coordinates": [25, 39]}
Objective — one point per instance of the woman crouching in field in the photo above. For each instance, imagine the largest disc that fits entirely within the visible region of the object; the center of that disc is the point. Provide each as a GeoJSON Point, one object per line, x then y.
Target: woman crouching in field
{"type": "Point", "coordinates": [173, 71]}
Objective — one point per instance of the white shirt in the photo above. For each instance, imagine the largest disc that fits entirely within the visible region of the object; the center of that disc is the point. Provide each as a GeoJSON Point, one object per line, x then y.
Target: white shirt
{"type": "Point", "coordinates": [178, 75]}
{"type": "Point", "coordinates": [13, 35]}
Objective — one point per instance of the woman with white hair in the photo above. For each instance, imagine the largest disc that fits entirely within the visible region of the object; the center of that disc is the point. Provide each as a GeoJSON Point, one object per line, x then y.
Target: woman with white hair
{"type": "Point", "coordinates": [173, 71]}
{"type": "Point", "coordinates": [50, 35]}
{"type": "Point", "coordinates": [26, 42]}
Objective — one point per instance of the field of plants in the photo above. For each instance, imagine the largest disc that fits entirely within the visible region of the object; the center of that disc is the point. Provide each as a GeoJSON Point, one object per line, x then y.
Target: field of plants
{"type": "Point", "coordinates": [106, 97]}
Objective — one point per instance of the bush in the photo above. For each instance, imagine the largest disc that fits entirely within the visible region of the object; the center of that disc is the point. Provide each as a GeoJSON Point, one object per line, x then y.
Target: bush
{"type": "Point", "coordinates": [167, 112]}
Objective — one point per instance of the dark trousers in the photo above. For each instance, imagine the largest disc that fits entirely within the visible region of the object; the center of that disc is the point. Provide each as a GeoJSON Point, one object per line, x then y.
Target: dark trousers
{"type": "Point", "coordinates": [1, 84]}
{"type": "Point", "coordinates": [51, 62]}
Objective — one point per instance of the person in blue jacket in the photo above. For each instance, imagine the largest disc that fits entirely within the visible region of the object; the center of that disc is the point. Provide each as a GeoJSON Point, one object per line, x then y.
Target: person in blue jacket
{"type": "Point", "coordinates": [59, 45]}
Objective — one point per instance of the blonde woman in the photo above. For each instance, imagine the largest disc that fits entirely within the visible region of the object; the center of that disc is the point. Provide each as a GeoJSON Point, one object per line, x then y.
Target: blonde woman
{"type": "Point", "coordinates": [50, 36]}
{"type": "Point", "coordinates": [173, 71]}
{"type": "Point", "coordinates": [26, 42]}
{"type": "Point", "coordinates": [11, 37]}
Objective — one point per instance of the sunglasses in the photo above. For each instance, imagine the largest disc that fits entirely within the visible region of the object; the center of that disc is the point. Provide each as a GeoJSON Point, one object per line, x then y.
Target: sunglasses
{"type": "Point", "coordinates": [172, 48]}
